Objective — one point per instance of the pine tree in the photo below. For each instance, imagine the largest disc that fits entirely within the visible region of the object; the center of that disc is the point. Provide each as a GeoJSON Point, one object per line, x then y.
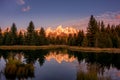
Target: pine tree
{"type": "Point", "coordinates": [30, 38]}
{"type": "Point", "coordinates": [91, 31]}
{"type": "Point", "coordinates": [104, 39]}
{"type": "Point", "coordinates": [13, 34]}
{"type": "Point", "coordinates": [72, 40]}
{"type": "Point", "coordinates": [20, 40]}
{"type": "Point", "coordinates": [80, 38]}
{"type": "Point", "coordinates": [85, 42]}
{"type": "Point", "coordinates": [42, 37]}
{"type": "Point", "coordinates": [1, 37]}
{"type": "Point", "coordinates": [108, 29]}
{"type": "Point", "coordinates": [6, 37]}
{"type": "Point", "coordinates": [102, 27]}
{"type": "Point", "coordinates": [115, 40]}
{"type": "Point", "coordinates": [117, 30]}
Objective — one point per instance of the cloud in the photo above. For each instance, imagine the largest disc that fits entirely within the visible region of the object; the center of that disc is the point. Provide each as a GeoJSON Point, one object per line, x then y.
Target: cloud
{"type": "Point", "coordinates": [117, 16]}
{"type": "Point", "coordinates": [21, 2]}
{"type": "Point", "coordinates": [25, 9]}
{"type": "Point", "coordinates": [112, 18]}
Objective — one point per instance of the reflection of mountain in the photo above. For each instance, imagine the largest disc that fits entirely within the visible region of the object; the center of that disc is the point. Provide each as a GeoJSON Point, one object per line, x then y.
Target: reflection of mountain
{"type": "Point", "coordinates": [20, 57]}
{"type": "Point", "coordinates": [59, 57]}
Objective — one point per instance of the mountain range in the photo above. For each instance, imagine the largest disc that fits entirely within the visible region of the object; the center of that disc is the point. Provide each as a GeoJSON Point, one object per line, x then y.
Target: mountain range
{"type": "Point", "coordinates": [60, 30]}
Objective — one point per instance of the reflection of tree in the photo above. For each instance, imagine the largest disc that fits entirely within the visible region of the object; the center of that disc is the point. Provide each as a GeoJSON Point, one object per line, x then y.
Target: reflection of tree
{"type": "Point", "coordinates": [103, 59]}
{"type": "Point", "coordinates": [91, 73]}
{"type": "Point", "coordinates": [32, 55]}
{"type": "Point", "coordinates": [17, 69]}
{"type": "Point", "coordinates": [41, 60]}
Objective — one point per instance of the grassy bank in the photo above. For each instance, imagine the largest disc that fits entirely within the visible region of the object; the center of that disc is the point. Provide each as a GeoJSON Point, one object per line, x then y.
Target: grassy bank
{"type": "Point", "coordinates": [98, 50]}
{"type": "Point", "coordinates": [21, 47]}
{"type": "Point", "coordinates": [72, 48]}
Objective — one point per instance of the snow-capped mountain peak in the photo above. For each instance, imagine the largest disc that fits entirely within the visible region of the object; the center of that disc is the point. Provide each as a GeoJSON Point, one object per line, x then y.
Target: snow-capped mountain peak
{"type": "Point", "coordinates": [60, 30]}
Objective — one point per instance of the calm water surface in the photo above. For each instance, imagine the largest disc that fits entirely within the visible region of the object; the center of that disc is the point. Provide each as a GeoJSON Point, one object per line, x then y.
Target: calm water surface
{"type": "Point", "coordinates": [58, 65]}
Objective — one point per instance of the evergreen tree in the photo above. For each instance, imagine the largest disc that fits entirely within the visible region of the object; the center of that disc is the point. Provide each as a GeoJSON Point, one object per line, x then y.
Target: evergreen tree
{"type": "Point", "coordinates": [85, 42]}
{"type": "Point", "coordinates": [6, 37]}
{"type": "Point", "coordinates": [91, 31]}
{"type": "Point", "coordinates": [37, 39]}
{"type": "Point", "coordinates": [71, 40]}
{"type": "Point", "coordinates": [1, 37]}
{"type": "Point", "coordinates": [104, 40]}
{"type": "Point", "coordinates": [108, 29]}
{"type": "Point", "coordinates": [102, 27]}
{"type": "Point", "coordinates": [42, 37]}
{"type": "Point", "coordinates": [80, 38]}
{"type": "Point", "coordinates": [117, 30]}
{"type": "Point", "coordinates": [13, 34]}
{"type": "Point", "coordinates": [30, 38]}
{"type": "Point", "coordinates": [30, 28]}
{"type": "Point", "coordinates": [20, 40]}
{"type": "Point", "coordinates": [115, 40]}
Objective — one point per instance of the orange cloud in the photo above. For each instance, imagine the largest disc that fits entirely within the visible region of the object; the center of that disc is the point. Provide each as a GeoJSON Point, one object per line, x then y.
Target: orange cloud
{"type": "Point", "coordinates": [117, 16]}
{"type": "Point", "coordinates": [25, 9]}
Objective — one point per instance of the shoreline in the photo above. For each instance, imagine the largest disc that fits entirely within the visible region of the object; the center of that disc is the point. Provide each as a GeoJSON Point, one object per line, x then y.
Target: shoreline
{"type": "Point", "coordinates": [96, 50]}
{"type": "Point", "coordinates": [71, 48]}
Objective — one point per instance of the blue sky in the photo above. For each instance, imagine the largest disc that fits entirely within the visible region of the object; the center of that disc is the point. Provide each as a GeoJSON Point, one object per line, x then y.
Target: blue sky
{"type": "Point", "coordinates": [52, 12]}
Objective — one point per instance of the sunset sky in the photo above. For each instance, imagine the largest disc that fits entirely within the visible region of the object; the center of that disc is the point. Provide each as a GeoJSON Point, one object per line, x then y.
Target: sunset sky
{"type": "Point", "coordinates": [54, 12]}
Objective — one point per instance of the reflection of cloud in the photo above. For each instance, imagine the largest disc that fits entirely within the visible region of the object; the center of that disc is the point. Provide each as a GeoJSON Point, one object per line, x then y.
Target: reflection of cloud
{"type": "Point", "coordinates": [25, 9]}
{"type": "Point", "coordinates": [21, 2]}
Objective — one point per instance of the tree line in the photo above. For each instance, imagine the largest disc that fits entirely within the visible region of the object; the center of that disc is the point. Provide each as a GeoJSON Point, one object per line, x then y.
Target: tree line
{"type": "Point", "coordinates": [31, 37]}
{"type": "Point", "coordinates": [97, 35]}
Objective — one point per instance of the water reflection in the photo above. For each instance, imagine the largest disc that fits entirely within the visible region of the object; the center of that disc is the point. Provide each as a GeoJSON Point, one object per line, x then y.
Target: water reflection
{"type": "Point", "coordinates": [87, 71]}
{"type": "Point", "coordinates": [2, 64]}
{"type": "Point", "coordinates": [98, 66]}
{"type": "Point", "coordinates": [60, 57]}
{"type": "Point", "coordinates": [14, 67]}
{"type": "Point", "coordinates": [58, 65]}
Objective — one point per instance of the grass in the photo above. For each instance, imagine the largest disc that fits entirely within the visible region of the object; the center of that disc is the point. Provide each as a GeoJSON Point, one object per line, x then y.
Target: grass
{"type": "Point", "coordinates": [24, 47]}
{"type": "Point", "coordinates": [86, 76]}
{"type": "Point", "coordinates": [93, 73]}
{"type": "Point", "coordinates": [90, 76]}
{"type": "Point", "coordinates": [98, 50]}
{"type": "Point", "coordinates": [72, 48]}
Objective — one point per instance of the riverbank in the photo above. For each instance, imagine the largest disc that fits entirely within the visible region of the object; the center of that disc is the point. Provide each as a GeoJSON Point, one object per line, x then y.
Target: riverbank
{"type": "Point", "coordinates": [97, 50]}
{"type": "Point", "coordinates": [24, 47]}
{"type": "Point", "coordinates": [72, 48]}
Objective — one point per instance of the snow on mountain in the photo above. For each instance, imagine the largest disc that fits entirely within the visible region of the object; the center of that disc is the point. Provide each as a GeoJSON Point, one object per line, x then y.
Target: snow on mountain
{"type": "Point", "coordinates": [60, 30]}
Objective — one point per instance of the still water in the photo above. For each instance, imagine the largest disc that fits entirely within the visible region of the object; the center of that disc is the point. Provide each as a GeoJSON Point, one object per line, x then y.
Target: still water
{"type": "Point", "coordinates": [58, 65]}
